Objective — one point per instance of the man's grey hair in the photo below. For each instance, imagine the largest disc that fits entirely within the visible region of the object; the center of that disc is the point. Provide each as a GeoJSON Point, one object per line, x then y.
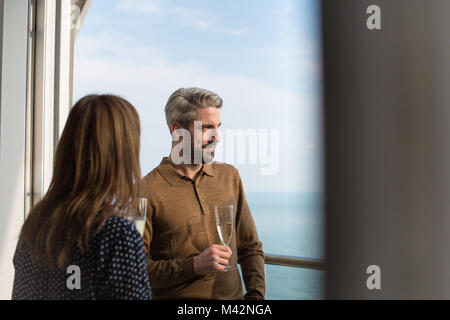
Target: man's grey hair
{"type": "Point", "coordinates": [183, 104]}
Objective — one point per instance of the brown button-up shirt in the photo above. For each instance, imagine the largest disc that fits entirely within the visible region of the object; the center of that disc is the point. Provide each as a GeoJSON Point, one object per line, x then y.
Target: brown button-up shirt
{"type": "Point", "coordinates": [181, 224]}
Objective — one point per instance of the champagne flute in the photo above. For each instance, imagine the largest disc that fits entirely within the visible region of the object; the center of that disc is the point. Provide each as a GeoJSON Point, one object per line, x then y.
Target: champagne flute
{"type": "Point", "coordinates": [137, 215]}
{"type": "Point", "coordinates": [224, 223]}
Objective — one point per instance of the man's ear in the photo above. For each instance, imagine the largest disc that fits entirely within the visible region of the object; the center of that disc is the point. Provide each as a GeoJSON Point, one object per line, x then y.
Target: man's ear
{"type": "Point", "coordinates": [175, 125]}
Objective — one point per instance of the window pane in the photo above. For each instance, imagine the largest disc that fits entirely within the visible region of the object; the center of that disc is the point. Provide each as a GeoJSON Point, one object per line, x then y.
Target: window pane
{"type": "Point", "coordinates": [286, 283]}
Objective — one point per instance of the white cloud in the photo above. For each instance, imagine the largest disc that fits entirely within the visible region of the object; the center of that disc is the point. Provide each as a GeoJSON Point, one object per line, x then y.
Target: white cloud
{"type": "Point", "coordinates": [195, 18]}
{"type": "Point", "coordinates": [143, 6]}
{"type": "Point", "coordinates": [190, 17]}
{"type": "Point", "coordinates": [200, 24]}
{"type": "Point", "coordinates": [159, 10]}
{"type": "Point", "coordinates": [235, 32]}
{"type": "Point", "coordinates": [123, 49]}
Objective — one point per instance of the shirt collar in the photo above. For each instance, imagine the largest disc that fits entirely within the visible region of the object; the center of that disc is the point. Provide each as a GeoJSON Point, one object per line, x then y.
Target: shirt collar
{"type": "Point", "coordinates": [208, 169]}
{"type": "Point", "coordinates": [173, 176]}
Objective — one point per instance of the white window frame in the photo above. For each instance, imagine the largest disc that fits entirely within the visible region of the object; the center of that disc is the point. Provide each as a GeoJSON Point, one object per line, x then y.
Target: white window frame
{"type": "Point", "coordinates": [14, 72]}
{"type": "Point", "coordinates": [56, 30]}
{"type": "Point", "coordinates": [36, 51]}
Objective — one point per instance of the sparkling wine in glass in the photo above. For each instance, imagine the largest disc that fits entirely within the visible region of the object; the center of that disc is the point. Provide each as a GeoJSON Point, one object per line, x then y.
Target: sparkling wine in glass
{"type": "Point", "coordinates": [225, 223]}
{"type": "Point", "coordinates": [138, 214]}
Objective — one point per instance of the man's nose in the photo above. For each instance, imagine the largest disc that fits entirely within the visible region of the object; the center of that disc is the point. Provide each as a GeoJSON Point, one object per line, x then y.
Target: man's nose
{"type": "Point", "coordinates": [216, 136]}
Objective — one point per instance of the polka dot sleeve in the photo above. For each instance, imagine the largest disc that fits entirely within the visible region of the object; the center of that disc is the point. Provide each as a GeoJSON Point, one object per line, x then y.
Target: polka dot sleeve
{"type": "Point", "coordinates": [121, 270]}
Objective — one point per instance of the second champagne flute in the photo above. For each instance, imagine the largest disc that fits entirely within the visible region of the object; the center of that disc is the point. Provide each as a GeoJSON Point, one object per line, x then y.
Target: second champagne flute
{"type": "Point", "coordinates": [225, 222]}
{"type": "Point", "coordinates": [137, 215]}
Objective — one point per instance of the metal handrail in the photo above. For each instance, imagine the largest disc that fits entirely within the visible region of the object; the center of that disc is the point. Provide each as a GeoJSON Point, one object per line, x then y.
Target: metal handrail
{"type": "Point", "coordinates": [291, 261]}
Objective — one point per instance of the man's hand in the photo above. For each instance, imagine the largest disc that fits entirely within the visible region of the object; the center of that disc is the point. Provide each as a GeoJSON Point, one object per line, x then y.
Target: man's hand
{"type": "Point", "coordinates": [214, 258]}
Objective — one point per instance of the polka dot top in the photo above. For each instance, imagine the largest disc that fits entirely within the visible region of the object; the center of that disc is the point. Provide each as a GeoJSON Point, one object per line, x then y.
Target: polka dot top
{"type": "Point", "coordinates": [112, 267]}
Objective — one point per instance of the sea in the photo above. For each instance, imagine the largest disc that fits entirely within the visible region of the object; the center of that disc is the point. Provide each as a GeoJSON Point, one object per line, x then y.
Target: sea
{"type": "Point", "coordinates": [291, 224]}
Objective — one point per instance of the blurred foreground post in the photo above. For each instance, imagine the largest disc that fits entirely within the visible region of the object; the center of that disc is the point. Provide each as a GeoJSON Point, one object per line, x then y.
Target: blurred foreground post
{"type": "Point", "coordinates": [387, 123]}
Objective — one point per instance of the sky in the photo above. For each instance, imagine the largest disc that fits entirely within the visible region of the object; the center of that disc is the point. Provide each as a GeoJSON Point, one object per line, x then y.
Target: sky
{"type": "Point", "coordinates": [261, 56]}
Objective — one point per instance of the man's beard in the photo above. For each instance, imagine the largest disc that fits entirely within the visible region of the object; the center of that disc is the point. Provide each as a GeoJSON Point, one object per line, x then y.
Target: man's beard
{"type": "Point", "coordinates": [207, 155]}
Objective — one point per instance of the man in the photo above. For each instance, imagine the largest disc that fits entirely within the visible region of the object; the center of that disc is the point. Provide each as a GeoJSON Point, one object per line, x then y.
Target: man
{"type": "Point", "coordinates": [186, 258]}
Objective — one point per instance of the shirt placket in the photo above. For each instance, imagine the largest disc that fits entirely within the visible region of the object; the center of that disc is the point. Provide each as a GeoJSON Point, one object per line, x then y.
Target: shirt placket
{"type": "Point", "coordinates": [203, 205]}
{"type": "Point", "coordinates": [200, 196]}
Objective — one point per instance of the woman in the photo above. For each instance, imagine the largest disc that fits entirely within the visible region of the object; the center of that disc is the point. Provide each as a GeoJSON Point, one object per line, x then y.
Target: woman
{"type": "Point", "coordinates": [74, 243]}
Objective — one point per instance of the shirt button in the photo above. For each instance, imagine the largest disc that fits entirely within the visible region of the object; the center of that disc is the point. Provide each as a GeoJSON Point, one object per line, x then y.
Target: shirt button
{"type": "Point", "coordinates": [202, 200]}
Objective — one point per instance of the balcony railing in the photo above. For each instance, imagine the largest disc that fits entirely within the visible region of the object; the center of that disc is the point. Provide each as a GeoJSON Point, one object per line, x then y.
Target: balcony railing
{"type": "Point", "coordinates": [291, 261]}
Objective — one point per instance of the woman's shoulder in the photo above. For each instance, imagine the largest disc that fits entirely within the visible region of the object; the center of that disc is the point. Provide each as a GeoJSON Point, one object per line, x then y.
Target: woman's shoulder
{"type": "Point", "coordinates": [117, 224]}
{"type": "Point", "coordinates": [117, 243]}
{"type": "Point", "coordinates": [118, 229]}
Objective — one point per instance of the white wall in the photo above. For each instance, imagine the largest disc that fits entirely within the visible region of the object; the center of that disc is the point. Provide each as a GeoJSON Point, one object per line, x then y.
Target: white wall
{"type": "Point", "coordinates": [12, 136]}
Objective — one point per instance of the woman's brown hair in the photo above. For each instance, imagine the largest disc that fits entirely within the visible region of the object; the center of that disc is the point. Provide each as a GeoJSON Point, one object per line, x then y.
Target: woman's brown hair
{"type": "Point", "coordinates": [95, 175]}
